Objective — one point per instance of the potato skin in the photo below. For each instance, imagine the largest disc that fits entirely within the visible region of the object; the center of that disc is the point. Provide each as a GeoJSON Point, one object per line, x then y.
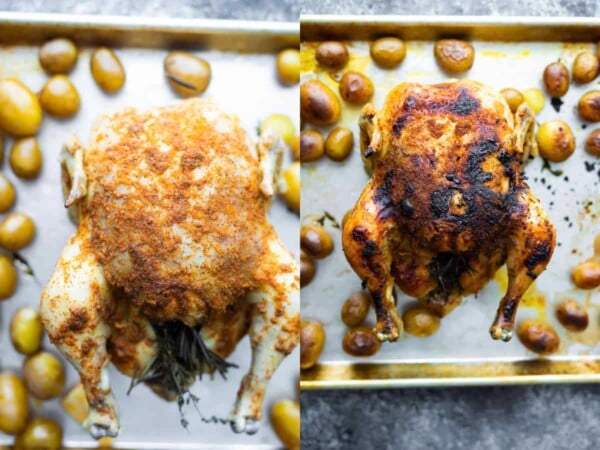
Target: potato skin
{"type": "Point", "coordinates": [40, 434]}
{"type": "Point", "coordinates": [332, 54]}
{"type": "Point", "coordinates": [585, 67]}
{"type": "Point", "coordinates": [285, 418]}
{"type": "Point", "coordinates": [17, 230]}
{"type": "Point", "coordinates": [58, 56]}
{"type": "Point", "coordinates": [25, 158]}
{"type": "Point", "coordinates": [388, 52]}
{"type": "Point", "coordinates": [318, 104]}
{"type": "Point", "coordinates": [20, 110]}
{"type": "Point", "coordinates": [556, 79]}
{"type": "Point", "coordinates": [420, 322]}
{"type": "Point", "coordinates": [587, 274]}
{"type": "Point", "coordinates": [356, 88]}
{"type": "Point", "coordinates": [589, 106]}
{"type": "Point", "coordinates": [8, 194]}
{"type": "Point", "coordinates": [44, 375]}
{"type": "Point", "coordinates": [572, 315]}
{"type": "Point", "coordinates": [288, 66]}
{"type": "Point", "coordinates": [187, 74]}
{"type": "Point", "coordinates": [59, 97]}
{"type": "Point", "coordinates": [312, 146]}
{"type": "Point", "coordinates": [14, 407]}
{"type": "Point", "coordinates": [26, 330]}
{"type": "Point", "coordinates": [308, 268]}
{"type": "Point", "coordinates": [355, 308]}
{"type": "Point", "coordinates": [339, 143]}
{"type": "Point", "coordinates": [592, 143]}
{"type": "Point", "coordinates": [513, 97]}
{"type": "Point", "coordinates": [555, 140]}
{"type": "Point", "coordinates": [312, 341]}
{"type": "Point", "coordinates": [538, 337]}
{"type": "Point", "coordinates": [361, 341]}
{"type": "Point", "coordinates": [8, 277]}
{"type": "Point", "coordinates": [315, 241]}
{"type": "Point", "coordinates": [454, 55]}
{"type": "Point", "coordinates": [107, 70]}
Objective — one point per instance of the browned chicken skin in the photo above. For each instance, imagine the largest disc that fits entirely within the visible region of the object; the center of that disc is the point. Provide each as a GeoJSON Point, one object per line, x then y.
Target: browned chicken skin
{"type": "Point", "coordinates": [447, 204]}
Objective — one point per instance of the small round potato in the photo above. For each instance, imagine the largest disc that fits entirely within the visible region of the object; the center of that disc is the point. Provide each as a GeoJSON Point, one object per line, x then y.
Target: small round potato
{"type": "Point", "coordinates": [107, 70]}
{"type": "Point", "coordinates": [555, 140]}
{"type": "Point", "coordinates": [41, 434]}
{"type": "Point", "coordinates": [281, 125]}
{"type": "Point", "coordinates": [315, 241]}
{"type": "Point", "coordinates": [361, 341]}
{"type": "Point", "coordinates": [8, 277]}
{"type": "Point", "coordinates": [7, 194]}
{"type": "Point", "coordinates": [339, 143]}
{"type": "Point", "coordinates": [312, 146]}
{"type": "Point", "coordinates": [420, 322]}
{"type": "Point", "coordinates": [587, 274]}
{"type": "Point", "coordinates": [285, 418]}
{"type": "Point", "coordinates": [17, 230]}
{"type": "Point", "coordinates": [539, 337]}
{"type": "Point", "coordinates": [44, 375]}
{"type": "Point", "coordinates": [332, 54]}
{"type": "Point", "coordinates": [289, 188]}
{"type": "Point", "coordinates": [356, 88]}
{"type": "Point", "coordinates": [535, 99]}
{"type": "Point", "coordinates": [187, 74]}
{"type": "Point", "coordinates": [14, 407]}
{"type": "Point", "coordinates": [318, 103]}
{"type": "Point", "coordinates": [295, 147]}
{"type": "Point", "coordinates": [572, 315]}
{"type": "Point", "coordinates": [20, 110]}
{"type": "Point", "coordinates": [592, 143]}
{"type": "Point", "coordinates": [308, 268]}
{"type": "Point", "coordinates": [513, 97]}
{"type": "Point", "coordinates": [589, 106]}
{"type": "Point", "coordinates": [355, 308]}
{"type": "Point", "coordinates": [58, 55]}
{"type": "Point", "coordinates": [556, 79]}
{"type": "Point", "coordinates": [288, 66]}
{"type": "Point", "coordinates": [26, 330]}
{"type": "Point", "coordinates": [388, 52]}
{"type": "Point", "coordinates": [454, 55]}
{"type": "Point", "coordinates": [59, 97]}
{"type": "Point", "coordinates": [312, 341]}
{"type": "Point", "coordinates": [26, 158]}
{"type": "Point", "coordinates": [585, 67]}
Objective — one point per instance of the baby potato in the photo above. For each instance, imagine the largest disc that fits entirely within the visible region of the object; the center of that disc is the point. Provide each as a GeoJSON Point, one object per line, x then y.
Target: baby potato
{"type": "Point", "coordinates": [339, 143]}
{"type": "Point", "coordinates": [281, 125]}
{"type": "Point", "coordinates": [361, 341]}
{"type": "Point", "coordinates": [20, 110]}
{"type": "Point", "coordinates": [388, 52]}
{"type": "Point", "coordinates": [1, 149]}
{"type": "Point", "coordinates": [535, 99]}
{"type": "Point", "coordinates": [555, 140]}
{"type": "Point", "coordinates": [585, 67]}
{"type": "Point", "coordinates": [592, 143]}
{"type": "Point", "coordinates": [587, 274]}
{"type": "Point", "coordinates": [315, 241]}
{"type": "Point", "coordinates": [7, 194]}
{"type": "Point", "coordinates": [312, 145]}
{"type": "Point", "coordinates": [420, 322]}
{"type": "Point", "coordinates": [589, 106]}
{"type": "Point", "coordinates": [572, 315]}
{"type": "Point", "coordinates": [289, 187]}
{"type": "Point", "coordinates": [318, 103]}
{"type": "Point", "coordinates": [17, 230]}
{"type": "Point", "coordinates": [307, 269]}
{"type": "Point", "coordinates": [58, 55]}
{"type": "Point", "coordinates": [288, 66]}
{"type": "Point", "coordinates": [539, 337]}
{"type": "Point", "coordinates": [295, 148]}
{"type": "Point", "coordinates": [331, 54]}
{"type": "Point", "coordinates": [454, 55]}
{"type": "Point", "coordinates": [513, 97]}
{"type": "Point", "coordinates": [187, 74]}
{"type": "Point", "coordinates": [285, 418]}
{"type": "Point", "coordinates": [26, 330]}
{"type": "Point", "coordinates": [312, 340]}
{"type": "Point", "coordinates": [26, 158]}
{"type": "Point", "coordinates": [356, 88]}
{"type": "Point", "coordinates": [14, 407]}
{"type": "Point", "coordinates": [44, 375]}
{"type": "Point", "coordinates": [40, 433]}
{"type": "Point", "coordinates": [355, 308]}
{"type": "Point", "coordinates": [59, 97]}
{"type": "Point", "coordinates": [107, 70]}
{"type": "Point", "coordinates": [556, 79]}
{"type": "Point", "coordinates": [8, 277]}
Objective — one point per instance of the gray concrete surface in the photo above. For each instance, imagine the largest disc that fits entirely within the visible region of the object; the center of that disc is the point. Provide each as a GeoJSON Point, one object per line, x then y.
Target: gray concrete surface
{"type": "Point", "coordinates": [534, 417]}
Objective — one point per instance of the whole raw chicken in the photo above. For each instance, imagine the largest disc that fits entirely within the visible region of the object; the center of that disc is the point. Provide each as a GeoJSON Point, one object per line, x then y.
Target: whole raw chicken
{"type": "Point", "coordinates": [173, 260]}
{"type": "Point", "coordinates": [447, 204]}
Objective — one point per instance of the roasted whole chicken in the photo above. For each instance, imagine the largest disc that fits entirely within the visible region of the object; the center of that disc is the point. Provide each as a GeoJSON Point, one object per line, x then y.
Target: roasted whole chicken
{"type": "Point", "coordinates": [447, 204]}
{"type": "Point", "coordinates": [173, 260]}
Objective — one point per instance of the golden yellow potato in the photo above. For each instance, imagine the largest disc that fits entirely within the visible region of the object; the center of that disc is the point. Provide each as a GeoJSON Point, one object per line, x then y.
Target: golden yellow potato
{"type": "Point", "coordinates": [587, 274]}
{"type": "Point", "coordinates": [289, 188]}
{"type": "Point", "coordinates": [44, 375]}
{"type": "Point", "coordinates": [187, 74]}
{"type": "Point", "coordinates": [318, 103]}
{"type": "Point", "coordinates": [107, 70]}
{"type": "Point", "coordinates": [316, 241]}
{"type": "Point", "coordinates": [535, 99]}
{"type": "Point", "coordinates": [14, 407]}
{"type": "Point", "coordinates": [513, 97]}
{"type": "Point", "coordinates": [26, 158]}
{"type": "Point", "coordinates": [556, 79]}
{"type": "Point", "coordinates": [592, 143]}
{"type": "Point", "coordinates": [339, 143]}
{"type": "Point", "coordinates": [8, 277]}
{"type": "Point", "coordinates": [361, 341]}
{"type": "Point", "coordinates": [26, 330]}
{"type": "Point", "coordinates": [7, 194]}
{"type": "Point", "coordinates": [420, 322]}
{"type": "Point", "coordinates": [355, 308]}
{"type": "Point", "coordinates": [555, 140]}
{"type": "Point", "coordinates": [312, 145]}
{"type": "Point", "coordinates": [285, 418]}
{"type": "Point", "coordinates": [17, 230]}
{"type": "Point", "coordinates": [281, 125]}
{"type": "Point", "coordinates": [356, 88]}
{"type": "Point", "coordinates": [40, 433]}
{"type": "Point", "coordinates": [589, 106]}
{"type": "Point", "coordinates": [585, 67]}
{"type": "Point", "coordinates": [454, 55]}
{"type": "Point", "coordinates": [295, 147]}
{"type": "Point", "coordinates": [288, 66]}
{"type": "Point", "coordinates": [388, 52]}
{"type": "Point", "coordinates": [59, 97]}
{"type": "Point", "coordinates": [1, 149]}
{"type": "Point", "coordinates": [307, 269]}
{"type": "Point", "coordinates": [539, 337]}
{"type": "Point", "coordinates": [58, 55]}
{"type": "Point", "coordinates": [572, 315]}
{"type": "Point", "coordinates": [332, 54]}
{"type": "Point", "coordinates": [20, 110]}
{"type": "Point", "coordinates": [312, 341]}
{"type": "Point", "coordinates": [75, 403]}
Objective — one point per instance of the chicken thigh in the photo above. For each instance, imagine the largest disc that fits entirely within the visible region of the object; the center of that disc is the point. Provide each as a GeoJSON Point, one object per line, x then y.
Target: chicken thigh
{"type": "Point", "coordinates": [447, 204]}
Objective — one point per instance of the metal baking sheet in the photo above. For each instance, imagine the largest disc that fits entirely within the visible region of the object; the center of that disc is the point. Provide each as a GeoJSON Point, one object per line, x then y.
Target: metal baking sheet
{"type": "Point", "coordinates": [242, 57]}
{"type": "Point", "coordinates": [510, 52]}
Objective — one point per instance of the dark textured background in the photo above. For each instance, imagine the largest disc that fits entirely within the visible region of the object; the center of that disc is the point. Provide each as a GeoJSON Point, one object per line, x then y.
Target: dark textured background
{"type": "Point", "coordinates": [534, 417]}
